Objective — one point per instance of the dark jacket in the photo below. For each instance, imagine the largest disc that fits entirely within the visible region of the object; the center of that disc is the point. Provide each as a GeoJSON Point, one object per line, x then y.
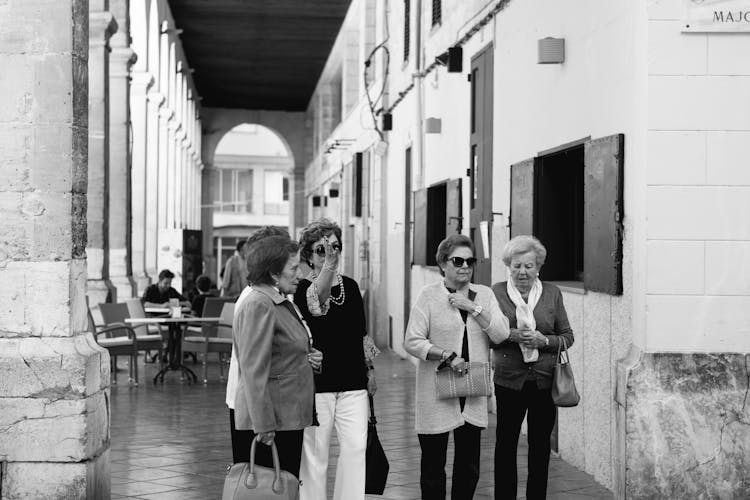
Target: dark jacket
{"type": "Point", "coordinates": [551, 320]}
{"type": "Point", "coordinates": [275, 390]}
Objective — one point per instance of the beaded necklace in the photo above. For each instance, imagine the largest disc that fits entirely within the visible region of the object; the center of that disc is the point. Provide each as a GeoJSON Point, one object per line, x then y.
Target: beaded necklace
{"type": "Point", "coordinates": [339, 301]}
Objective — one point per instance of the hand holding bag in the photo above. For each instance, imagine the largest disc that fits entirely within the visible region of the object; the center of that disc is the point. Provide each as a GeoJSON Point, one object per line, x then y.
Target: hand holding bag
{"type": "Point", "coordinates": [476, 382]}
{"type": "Point", "coordinates": [247, 481]}
{"type": "Point", "coordinates": [376, 468]}
{"type": "Point", "coordinates": [564, 392]}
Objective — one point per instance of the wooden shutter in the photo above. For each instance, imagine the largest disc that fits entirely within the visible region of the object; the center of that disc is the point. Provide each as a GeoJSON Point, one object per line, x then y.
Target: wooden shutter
{"type": "Point", "coordinates": [420, 228]}
{"type": "Point", "coordinates": [603, 214]}
{"type": "Point", "coordinates": [522, 198]}
{"type": "Point", "coordinates": [453, 221]}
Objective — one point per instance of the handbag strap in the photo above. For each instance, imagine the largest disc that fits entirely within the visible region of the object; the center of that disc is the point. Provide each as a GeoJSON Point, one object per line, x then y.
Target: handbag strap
{"type": "Point", "coordinates": [562, 343]}
{"type": "Point", "coordinates": [276, 463]}
{"type": "Point", "coordinates": [373, 420]}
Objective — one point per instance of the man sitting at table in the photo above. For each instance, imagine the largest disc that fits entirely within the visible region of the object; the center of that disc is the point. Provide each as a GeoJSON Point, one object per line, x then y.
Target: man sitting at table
{"type": "Point", "coordinates": [203, 285]}
{"type": "Point", "coordinates": [158, 295]}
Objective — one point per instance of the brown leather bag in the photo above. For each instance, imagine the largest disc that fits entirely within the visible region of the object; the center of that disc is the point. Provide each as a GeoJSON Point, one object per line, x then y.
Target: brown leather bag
{"type": "Point", "coordinates": [564, 392]}
{"type": "Point", "coordinates": [247, 481]}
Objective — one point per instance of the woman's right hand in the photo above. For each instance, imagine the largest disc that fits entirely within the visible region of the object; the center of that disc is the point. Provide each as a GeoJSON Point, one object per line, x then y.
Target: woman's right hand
{"type": "Point", "coordinates": [459, 365]}
{"type": "Point", "coordinates": [266, 437]}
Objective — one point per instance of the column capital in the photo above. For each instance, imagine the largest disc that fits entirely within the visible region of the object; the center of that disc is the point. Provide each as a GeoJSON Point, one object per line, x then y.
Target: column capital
{"type": "Point", "coordinates": [174, 126]}
{"type": "Point", "coordinates": [102, 26]}
{"type": "Point", "coordinates": [157, 98]}
{"type": "Point", "coordinates": [120, 60]}
{"type": "Point", "coordinates": [166, 112]}
{"type": "Point", "coordinates": [141, 82]}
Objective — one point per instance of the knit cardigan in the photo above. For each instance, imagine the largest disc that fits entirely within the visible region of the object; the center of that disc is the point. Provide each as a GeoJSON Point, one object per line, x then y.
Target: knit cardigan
{"type": "Point", "coordinates": [435, 322]}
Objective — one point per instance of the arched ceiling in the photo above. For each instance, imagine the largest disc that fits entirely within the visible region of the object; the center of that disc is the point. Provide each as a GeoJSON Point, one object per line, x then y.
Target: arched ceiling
{"type": "Point", "coordinates": [258, 54]}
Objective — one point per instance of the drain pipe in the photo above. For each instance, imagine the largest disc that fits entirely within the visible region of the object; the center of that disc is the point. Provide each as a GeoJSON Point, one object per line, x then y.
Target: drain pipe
{"type": "Point", "coordinates": [419, 98]}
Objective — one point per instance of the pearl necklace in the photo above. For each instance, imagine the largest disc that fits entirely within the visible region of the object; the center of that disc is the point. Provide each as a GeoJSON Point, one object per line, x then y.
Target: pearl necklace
{"type": "Point", "coordinates": [339, 301]}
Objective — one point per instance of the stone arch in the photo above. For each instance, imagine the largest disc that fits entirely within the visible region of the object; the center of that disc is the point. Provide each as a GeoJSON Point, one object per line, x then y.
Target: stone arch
{"type": "Point", "coordinates": [282, 139]}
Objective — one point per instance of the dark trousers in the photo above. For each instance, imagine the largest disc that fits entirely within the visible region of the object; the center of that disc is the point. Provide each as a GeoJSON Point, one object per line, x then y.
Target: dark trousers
{"type": "Point", "coordinates": [241, 441]}
{"type": "Point", "coordinates": [465, 463]}
{"type": "Point", "coordinates": [512, 406]}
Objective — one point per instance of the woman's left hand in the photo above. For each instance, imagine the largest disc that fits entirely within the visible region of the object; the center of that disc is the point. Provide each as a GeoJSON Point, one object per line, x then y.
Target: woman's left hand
{"type": "Point", "coordinates": [315, 358]}
{"type": "Point", "coordinates": [461, 302]}
{"type": "Point", "coordinates": [532, 339]}
{"type": "Point", "coordinates": [372, 384]}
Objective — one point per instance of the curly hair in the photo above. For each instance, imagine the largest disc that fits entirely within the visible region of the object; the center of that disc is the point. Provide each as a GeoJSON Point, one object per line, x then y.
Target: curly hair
{"type": "Point", "coordinates": [446, 247]}
{"type": "Point", "coordinates": [312, 233]}
{"type": "Point", "coordinates": [523, 244]}
{"type": "Point", "coordinates": [267, 257]}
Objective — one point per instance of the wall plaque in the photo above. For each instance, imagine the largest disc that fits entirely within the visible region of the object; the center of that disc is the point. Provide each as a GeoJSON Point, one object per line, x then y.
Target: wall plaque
{"type": "Point", "coordinates": [725, 16]}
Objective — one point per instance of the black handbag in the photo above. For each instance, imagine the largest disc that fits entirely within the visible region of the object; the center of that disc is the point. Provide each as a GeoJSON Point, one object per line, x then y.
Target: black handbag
{"type": "Point", "coordinates": [376, 468]}
{"type": "Point", "coordinates": [247, 481]}
{"type": "Point", "coordinates": [564, 392]}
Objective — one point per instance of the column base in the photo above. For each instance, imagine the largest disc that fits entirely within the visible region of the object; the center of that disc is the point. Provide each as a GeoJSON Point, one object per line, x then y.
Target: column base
{"type": "Point", "coordinates": [687, 426]}
{"type": "Point", "coordinates": [99, 291]}
{"type": "Point", "coordinates": [126, 287]}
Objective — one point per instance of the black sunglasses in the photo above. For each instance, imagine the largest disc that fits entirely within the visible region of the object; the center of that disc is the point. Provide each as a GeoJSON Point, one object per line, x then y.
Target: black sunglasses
{"type": "Point", "coordinates": [321, 250]}
{"type": "Point", "coordinates": [459, 261]}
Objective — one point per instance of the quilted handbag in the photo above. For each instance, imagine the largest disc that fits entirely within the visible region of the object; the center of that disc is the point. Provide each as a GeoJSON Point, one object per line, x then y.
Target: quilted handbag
{"type": "Point", "coordinates": [376, 469]}
{"type": "Point", "coordinates": [476, 382]}
{"type": "Point", "coordinates": [247, 481]}
{"type": "Point", "coordinates": [564, 392]}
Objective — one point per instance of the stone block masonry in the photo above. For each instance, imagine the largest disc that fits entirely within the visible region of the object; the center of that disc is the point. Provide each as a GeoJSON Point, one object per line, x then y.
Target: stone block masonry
{"type": "Point", "coordinates": [54, 378]}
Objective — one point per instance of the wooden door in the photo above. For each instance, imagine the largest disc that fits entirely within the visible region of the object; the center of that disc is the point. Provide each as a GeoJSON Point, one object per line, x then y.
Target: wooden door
{"type": "Point", "coordinates": [480, 162]}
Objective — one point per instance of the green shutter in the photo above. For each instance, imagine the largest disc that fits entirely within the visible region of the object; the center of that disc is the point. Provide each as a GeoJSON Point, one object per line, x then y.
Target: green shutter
{"type": "Point", "coordinates": [603, 214]}
{"type": "Point", "coordinates": [420, 228]}
{"type": "Point", "coordinates": [522, 198]}
{"type": "Point", "coordinates": [453, 221]}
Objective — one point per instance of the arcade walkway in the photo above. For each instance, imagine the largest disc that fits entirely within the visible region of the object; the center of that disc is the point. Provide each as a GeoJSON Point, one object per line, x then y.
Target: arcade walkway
{"type": "Point", "coordinates": [172, 441]}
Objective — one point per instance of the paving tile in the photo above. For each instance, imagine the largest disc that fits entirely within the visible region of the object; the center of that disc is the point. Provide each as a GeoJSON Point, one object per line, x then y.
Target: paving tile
{"type": "Point", "coordinates": [171, 441]}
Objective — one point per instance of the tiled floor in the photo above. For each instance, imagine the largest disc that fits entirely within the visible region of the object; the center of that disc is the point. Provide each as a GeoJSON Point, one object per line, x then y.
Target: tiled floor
{"type": "Point", "coordinates": [172, 441]}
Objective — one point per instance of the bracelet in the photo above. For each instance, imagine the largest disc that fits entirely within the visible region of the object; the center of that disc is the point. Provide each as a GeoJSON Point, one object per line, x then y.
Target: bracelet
{"type": "Point", "coordinates": [370, 367]}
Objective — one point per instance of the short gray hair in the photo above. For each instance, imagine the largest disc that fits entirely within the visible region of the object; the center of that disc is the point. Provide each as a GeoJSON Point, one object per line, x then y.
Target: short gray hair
{"type": "Point", "coordinates": [522, 244]}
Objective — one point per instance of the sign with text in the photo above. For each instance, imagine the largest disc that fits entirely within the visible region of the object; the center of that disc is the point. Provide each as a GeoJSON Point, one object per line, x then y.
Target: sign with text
{"type": "Point", "coordinates": [724, 16]}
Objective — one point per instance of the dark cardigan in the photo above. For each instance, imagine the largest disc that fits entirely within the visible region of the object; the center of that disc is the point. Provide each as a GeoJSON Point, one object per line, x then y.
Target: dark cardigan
{"type": "Point", "coordinates": [551, 321]}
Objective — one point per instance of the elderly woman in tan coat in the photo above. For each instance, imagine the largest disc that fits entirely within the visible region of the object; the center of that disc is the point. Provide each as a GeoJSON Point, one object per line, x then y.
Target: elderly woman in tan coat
{"type": "Point", "coordinates": [452, 322]}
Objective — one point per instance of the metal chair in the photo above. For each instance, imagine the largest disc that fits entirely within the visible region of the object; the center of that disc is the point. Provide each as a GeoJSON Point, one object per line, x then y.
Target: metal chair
{"type": "Point", "coordinates": [213, 337]}
{"type": "Point", "coordinates": [149, 336]}
{"type": "Point", "coordinates": [116, 314]}
{"type": "Point", "coordinates": [118, 340]}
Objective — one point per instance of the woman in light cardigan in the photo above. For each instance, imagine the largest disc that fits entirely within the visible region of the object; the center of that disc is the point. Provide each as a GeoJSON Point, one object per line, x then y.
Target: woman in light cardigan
{"type": "Point", "coordinates": [452, 321]}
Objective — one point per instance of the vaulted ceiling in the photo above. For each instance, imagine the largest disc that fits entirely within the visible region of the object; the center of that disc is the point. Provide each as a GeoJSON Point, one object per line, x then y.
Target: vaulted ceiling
{"type": "Point", "coordinates": [258, 54]}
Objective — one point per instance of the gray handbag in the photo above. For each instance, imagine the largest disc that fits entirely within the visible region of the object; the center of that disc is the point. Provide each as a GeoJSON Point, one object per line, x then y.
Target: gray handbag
{"type": "Point", "coordinates": [564, 392]}
{"type": "Point", "coordinates": [247, 481]}
{"type": "Point", "coordinates": [476, 382]}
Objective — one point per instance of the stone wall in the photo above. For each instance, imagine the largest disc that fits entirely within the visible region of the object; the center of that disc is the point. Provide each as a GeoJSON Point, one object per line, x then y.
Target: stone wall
{"type": "Point", "coordinates": [54, 379]}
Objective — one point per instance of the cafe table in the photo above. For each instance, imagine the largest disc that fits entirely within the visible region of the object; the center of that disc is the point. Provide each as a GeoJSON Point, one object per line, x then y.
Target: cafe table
{"type": "Point", "coordinates": [174, 342]}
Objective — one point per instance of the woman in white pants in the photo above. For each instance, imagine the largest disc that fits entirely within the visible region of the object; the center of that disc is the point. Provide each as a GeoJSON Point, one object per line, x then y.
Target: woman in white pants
{"type": "Point", "coordinates": [332, 307]}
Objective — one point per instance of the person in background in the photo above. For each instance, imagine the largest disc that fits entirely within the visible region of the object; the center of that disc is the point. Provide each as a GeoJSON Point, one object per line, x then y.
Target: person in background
{"type": "Point", "coordinates": [203, 285]}
{"type": "Point", "coordinates": [333, 308]}
{"type": "Point", "coordinates": [452, 322]}
{"type": "Point", "coordinates": [524, 364]}
{"type": "Point", "coordinates": [275, 394]}
{"type": "Point", "coordinates": [235, 272]}
{"type": "Point", "coordinates": [241, 440]}
{"type": "Point", "coordinates": [159, 295]}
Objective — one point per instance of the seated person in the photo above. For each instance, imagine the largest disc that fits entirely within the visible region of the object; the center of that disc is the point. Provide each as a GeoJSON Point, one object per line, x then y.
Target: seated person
{"type": "Point", "coordinates": [158, 295]}
{"type": "Point", "coordinates": [203, 286]}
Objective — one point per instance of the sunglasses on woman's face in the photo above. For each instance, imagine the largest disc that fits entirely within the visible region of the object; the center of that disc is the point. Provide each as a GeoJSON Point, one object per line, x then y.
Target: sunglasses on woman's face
{"type": "Point", "coordinates": [321, 250]}
{"type": "Point", "coordinates": [459, 261]}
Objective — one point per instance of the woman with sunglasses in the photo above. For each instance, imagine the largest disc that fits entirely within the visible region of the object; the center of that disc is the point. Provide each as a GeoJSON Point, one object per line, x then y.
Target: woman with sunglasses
{"type": "Point", "coordinates": [333, 308]}
{"type": "Point", "coordinates": [452, 322]}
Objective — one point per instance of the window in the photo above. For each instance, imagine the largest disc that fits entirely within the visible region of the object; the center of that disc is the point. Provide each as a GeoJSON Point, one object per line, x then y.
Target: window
{"type": "Point", "coordinates": [437, 213]}
{"type": "Point", "coordinates": [407, 32]}
{"type": "Point", "coordinates": [234, 191]}
{"type": "Point", "coordinates": [285, 189]}
{"type": "Point", "coordinates": [437, 8]}
{"type": "Point", "coordinates": [572, 200]}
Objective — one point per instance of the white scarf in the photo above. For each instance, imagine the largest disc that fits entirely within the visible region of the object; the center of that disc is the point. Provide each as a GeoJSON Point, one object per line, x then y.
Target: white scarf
{"type": "Point", "coordinates": [525, 314]}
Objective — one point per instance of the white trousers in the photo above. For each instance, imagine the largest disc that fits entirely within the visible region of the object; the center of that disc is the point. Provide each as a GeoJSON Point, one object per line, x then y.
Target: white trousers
{"type": "Point", "coordinates": [347, 411]}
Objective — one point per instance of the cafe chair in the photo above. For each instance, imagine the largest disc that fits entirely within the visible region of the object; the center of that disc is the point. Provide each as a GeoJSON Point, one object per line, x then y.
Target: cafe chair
{"type": "Point", "coordinates": [152, 336]}
{"type": "Point", "coordinates": [212, 337]}
{"type": "Point", "coordinates": [118, 340]}
{"type": "Point", "coordinates": [116, 314]}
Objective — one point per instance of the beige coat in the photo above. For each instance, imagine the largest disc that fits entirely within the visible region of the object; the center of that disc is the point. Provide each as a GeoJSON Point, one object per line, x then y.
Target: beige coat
{"type": "Point", "coordinates": [434, 322]}
{"type": "Point", "coordinates": [275, 390]}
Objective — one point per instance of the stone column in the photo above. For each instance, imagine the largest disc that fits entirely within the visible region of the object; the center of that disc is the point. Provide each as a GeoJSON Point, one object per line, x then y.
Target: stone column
{"type": "Point", "coordinates": [120, 269]}
{"type": "Point", "coordinates": [54, 379]}
{"type": "Point", "coordinates": [208, 178]}
{"type": "Point", "coordinates": [101, 26]}
{"type": "Point", "coordinates": [139, 88]}
{"type": "Point", "coordinates": [153, 178]}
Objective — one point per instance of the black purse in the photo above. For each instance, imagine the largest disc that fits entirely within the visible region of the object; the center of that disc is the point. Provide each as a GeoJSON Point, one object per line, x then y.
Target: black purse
{"type": "Point", "coordinates": [376, 468]}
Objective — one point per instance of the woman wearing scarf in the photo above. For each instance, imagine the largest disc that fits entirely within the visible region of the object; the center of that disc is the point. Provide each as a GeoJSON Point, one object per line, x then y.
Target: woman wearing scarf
{"type": "Point", "coordinates": [524, 365]}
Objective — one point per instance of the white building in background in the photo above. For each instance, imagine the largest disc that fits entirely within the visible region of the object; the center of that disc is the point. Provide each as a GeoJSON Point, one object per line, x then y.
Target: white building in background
{"type": "Point", "coordinates": [250, 187]}
{"type": "Point", "coordinates": [617, 133]}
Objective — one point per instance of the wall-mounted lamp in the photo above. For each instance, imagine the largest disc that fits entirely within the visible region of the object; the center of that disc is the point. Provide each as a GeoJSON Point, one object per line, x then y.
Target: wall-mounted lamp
{"type": "Point", "coordinates": [166, 29]}
{"type": "Point", "coordinates": [551, 50]}
{"type": "Point", "coordinates": [186, 70]}
{"type": "Point", "coordinates": [452, 58]}
{"type": "Point", "coordinates": [432, 125]}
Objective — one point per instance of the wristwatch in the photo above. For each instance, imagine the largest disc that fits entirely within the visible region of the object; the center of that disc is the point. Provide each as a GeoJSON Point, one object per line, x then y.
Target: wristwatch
{"type": "Point", "coordinates": [477, 310]}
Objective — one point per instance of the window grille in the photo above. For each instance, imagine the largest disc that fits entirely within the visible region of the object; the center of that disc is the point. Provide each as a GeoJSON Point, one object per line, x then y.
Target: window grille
{"type": "Point", "coordinates": [437, 12]}
{"type": "Point", "coordinates": [407, 26]}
